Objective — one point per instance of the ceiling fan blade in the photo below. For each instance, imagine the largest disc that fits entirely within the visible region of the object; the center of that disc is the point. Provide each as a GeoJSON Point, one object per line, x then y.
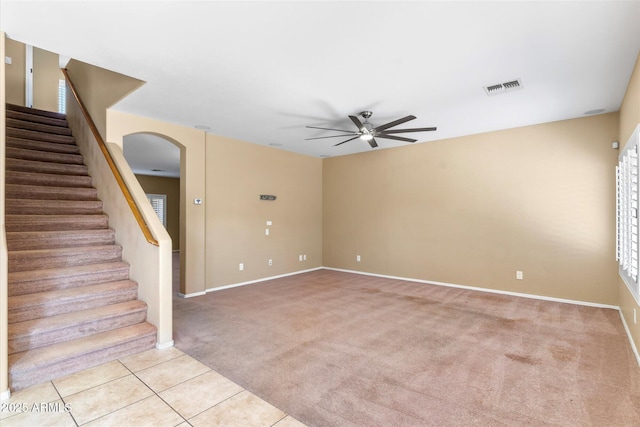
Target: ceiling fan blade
{"type": "Point", "coordinates": [332, 136]}
{"type": "Point", "coordinates": [372, 142]}
{"type": "Point", "coordinates": [340, 143]}
{"type": "Point", "coordinates": [393, 123]}
{"type": "Point", "coordinates": [358, 123]}
{"type": "Point", "coordinates": [337, 130]}
{"type": "Point", "coordinates": [397, 138]}
{"type": "Point", "coordinates": [410, 130]}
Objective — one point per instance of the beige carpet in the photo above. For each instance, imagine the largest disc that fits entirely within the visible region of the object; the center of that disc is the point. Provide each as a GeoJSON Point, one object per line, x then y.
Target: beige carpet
{"type": "Point", "coordinates": [340, 349]}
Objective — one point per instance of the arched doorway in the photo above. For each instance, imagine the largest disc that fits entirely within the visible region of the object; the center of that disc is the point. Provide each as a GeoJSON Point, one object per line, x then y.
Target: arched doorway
{"type": "Point", "coordinates": [155, 160]}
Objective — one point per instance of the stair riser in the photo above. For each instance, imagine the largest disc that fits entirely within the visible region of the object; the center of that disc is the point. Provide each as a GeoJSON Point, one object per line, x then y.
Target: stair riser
{"type": "Point", "coordinates": [38, 127]}
{"type": "Point", "coordinates": [34, 118]}
{"type": "Point", "coordinates": [15, 191]}
{"type": "Point", "coordinates": [42, 146]}
{"type": "Point", "coordinates": [21, 284]}
{"type": "Point", "coordinates": [30, 342]}
{"type": "Point", "coordinates": [53, 207]}
{"type": "Point", "coordinates": [50, 180]}
{"type": "Point", "coordinates": [42, 260]}
{"type": "Point", "coordinates": [45, 167]}
{"type": "Point", "coordinates": [20, 379]}
{"type": "Point", "coordinates": [48, 240]}
{"type": "Point", "coordinates": [16, 223]}
{"type": "Point", "coordinates": [87, 301]}
{"type": "Point", "coordinates": [44, 156]}
{"type": "Point", "coordinates": [39, 136]}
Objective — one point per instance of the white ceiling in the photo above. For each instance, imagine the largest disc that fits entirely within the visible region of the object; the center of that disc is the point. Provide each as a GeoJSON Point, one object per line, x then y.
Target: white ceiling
{"type": "Point", "coordinates": [262, 71]}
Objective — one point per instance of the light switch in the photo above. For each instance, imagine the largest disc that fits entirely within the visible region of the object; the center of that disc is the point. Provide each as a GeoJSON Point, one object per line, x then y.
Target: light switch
{"type": "Point", "coordinates": [7, 60]}
{"type": "Point", "coordinates": [266, 231]}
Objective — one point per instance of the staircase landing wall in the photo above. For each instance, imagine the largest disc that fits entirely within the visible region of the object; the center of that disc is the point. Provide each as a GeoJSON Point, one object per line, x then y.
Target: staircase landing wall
{"type": "Point", "coordinates": [150, 264]}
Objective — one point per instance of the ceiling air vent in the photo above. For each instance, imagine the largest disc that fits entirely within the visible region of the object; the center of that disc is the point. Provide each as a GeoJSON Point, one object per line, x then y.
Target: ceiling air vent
{"type": "Point", "coordinates": [503, 87]}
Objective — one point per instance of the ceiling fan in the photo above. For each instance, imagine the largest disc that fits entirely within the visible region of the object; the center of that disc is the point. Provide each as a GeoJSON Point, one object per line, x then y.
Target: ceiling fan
{"type": "Point", "coordinates": [368, 133]}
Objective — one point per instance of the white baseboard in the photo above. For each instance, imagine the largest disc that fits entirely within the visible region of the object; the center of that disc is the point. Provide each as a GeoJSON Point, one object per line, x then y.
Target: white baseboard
{"type": "Point", "coordinates": [165, 345]}
{"type": "Point", "coordinates": [264, 279]}
{"type": "Point", "coordinates": [633, 344]}
{"type": "Point", "coordinates": [5, 395]}
{"type": "Point", "coordinates": [191, 295]}
{"type": "Point", "coordinates": [473, 288]}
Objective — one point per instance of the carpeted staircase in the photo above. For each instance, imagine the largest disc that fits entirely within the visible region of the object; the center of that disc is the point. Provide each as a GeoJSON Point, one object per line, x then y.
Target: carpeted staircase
{"type": "Point", "coordinates": [71, 303]}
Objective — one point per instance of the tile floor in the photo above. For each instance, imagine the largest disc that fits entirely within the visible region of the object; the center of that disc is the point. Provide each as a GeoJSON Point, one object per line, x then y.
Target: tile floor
{"type": "Point", "coordinates": [152, 388]}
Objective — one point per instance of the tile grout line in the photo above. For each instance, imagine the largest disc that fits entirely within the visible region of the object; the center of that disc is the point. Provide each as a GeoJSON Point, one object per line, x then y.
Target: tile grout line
{"type": "Point", "coordinates": [152, 390]}
{"type": "Point", "coordinates": [63, 401]}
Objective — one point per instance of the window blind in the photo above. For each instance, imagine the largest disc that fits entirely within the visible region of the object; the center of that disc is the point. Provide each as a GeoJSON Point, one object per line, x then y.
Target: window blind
{"type": "Point", "coordinates": [627, 221]}
{"type": "Point", "coordinates": [159, 204]}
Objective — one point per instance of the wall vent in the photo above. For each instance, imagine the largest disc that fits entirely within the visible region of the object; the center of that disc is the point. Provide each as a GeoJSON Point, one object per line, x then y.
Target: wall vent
{"type": "Point", "coordinates": [503, 87]}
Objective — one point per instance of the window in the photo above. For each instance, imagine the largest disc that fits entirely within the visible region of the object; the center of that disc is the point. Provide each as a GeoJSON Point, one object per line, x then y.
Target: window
{"type": "Point", "coordinates": [62, 96]}
{"type": "Point", "coordinates": [159, 203]}
{"type": "Point", "coordinates": [627, 192]}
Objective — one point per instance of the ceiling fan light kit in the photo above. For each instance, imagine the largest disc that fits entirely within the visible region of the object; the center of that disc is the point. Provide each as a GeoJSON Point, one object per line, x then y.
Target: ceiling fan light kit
{"type": "Point", "coordinates": [367, 132]}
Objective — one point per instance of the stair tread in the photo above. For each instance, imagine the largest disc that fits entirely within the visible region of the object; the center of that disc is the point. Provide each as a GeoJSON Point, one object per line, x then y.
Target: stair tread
{"type": "Point", "coordinates": [42, 145]}
{"type": "Point", "coordinates": [25, 191]}
{"type": "Point", "coordinates": [52, 207]}
{"type": "Point", "coordinates": [33, 281]}
{"type": "Point", "coordinates": [43, 259]}
{"type": "Point", "coordinates": [67, 351]}
{"type": "Point", "coordinates": [21, 240]}
{"type": "Point", "coordinates": [45, 167]}
{"type": "Point", "coordinates": [36, 126]}
{"type": "Point", "coordinates": [36, 118]}
{"type": "Point", "coordinates": [65, 271]}
{"type": "Point", "coordinates": [44, 156]}
{"type": "Point", "coordinates": [66, 320]}
{"type": "Point", "coordinates": [48, 179]}
{"type": "Point", "coordinates": [63, 296]}
{"type": "Point", "coordinates": [35, 111]}
{"type": "Point", "coordinates": [39, 136]}
{"type": "Point", "coordinates": [62, 251]}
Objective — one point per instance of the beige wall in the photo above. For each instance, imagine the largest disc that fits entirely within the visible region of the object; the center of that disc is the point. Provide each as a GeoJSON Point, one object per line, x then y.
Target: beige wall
{"type": "Point", "coordinates": [46, 74]}
{"type": "Point", "coordinates": [15, 73]}
{"type": "Point", "coordinates": [629, 119]}
{"type": "Point", "coordinates": [473, 210]}
{"type": "Point", "coordinates": [171, 188]}
{"type": "Point", "coordinates": [100, 89]}
{"type": "Point", "coordinates": [237, 173]}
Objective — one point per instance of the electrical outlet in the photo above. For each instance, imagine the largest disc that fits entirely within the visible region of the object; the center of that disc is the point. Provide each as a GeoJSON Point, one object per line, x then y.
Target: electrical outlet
{"type": "Point", "coordinates": [270, 262]}
{"type": "Point", "coordinates": [304, 257]}
{"type": "Point", "coordinates": [519, 275]}
{"type": "Point", "coordinates": [241, 266]}
{"type": "Point", "coordinates": [358, 258]}
{"type": "Point", "coordinates": [269, 223]}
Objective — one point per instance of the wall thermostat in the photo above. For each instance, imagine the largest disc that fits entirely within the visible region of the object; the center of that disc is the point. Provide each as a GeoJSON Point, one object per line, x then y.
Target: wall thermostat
{"type": "Point", "coordinates": [267, 197]}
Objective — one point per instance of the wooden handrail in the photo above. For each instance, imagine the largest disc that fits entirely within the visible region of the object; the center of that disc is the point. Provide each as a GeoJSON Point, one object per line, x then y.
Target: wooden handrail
{"type": "Point", "coordinates": [112, 165]}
